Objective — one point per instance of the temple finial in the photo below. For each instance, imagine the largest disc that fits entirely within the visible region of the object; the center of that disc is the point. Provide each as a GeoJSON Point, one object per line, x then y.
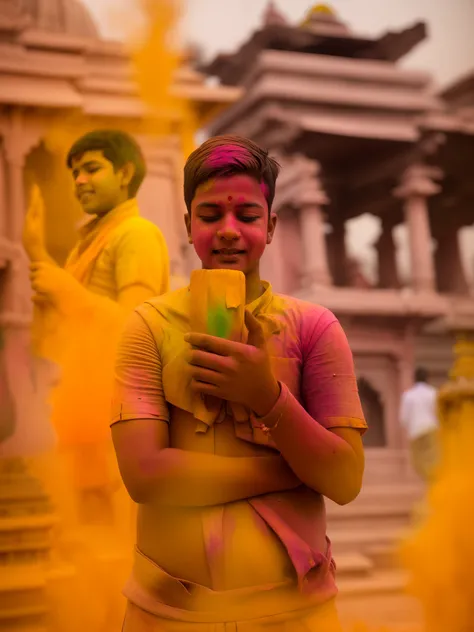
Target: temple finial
{"type": "Point", "coordinates": [273, 16]}
{"type": "Point", "coordinates": [322, 18]}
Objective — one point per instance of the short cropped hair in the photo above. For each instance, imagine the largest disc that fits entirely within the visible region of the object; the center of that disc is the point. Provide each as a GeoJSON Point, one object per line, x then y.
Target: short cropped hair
{"type": "Point", "coordinates": [421, 374]}
{"type": "Point", "coordinates": [118, 148]}
{"type": "Point", "coordinates": [224, 156]}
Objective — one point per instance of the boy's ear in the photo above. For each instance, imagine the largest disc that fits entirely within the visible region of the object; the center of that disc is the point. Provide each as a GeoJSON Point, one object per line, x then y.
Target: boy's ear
{"type": "Point", "coordinates": [127, 171]}
{"type": "Point", "coordinates": [272, 222]}
{"type": "Point", "coordinates": [187, 223]}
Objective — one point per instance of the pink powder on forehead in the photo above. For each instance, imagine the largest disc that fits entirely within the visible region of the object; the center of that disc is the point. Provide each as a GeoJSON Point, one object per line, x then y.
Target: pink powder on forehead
{"type": "Point", "coordinates": [225, 155]}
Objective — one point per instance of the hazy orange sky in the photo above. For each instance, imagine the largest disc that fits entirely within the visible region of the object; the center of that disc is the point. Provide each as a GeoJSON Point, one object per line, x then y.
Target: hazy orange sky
{"type": "Point", "coordinates": [218, 25]}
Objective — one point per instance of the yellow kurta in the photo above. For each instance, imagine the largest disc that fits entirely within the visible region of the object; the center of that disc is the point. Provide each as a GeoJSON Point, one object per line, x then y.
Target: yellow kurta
{"type": "Point", "coordinates": [113, 253]}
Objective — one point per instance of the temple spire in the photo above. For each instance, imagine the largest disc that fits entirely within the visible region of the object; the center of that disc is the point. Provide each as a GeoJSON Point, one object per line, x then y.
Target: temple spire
{"type": "Point", "coordinates": [273, 16]}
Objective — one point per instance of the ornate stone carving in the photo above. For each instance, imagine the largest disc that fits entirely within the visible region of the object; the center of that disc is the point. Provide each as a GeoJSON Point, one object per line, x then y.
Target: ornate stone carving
{"type": "Point", "coordinates": [418, 180]}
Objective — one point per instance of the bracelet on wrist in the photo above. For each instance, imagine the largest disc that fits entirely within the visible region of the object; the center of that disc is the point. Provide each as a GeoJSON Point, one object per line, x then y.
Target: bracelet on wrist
{"type": "Point", "coordinates": [268, 429]}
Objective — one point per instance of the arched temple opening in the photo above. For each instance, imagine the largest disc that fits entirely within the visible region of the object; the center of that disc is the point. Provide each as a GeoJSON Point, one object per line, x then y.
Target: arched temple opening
{"type": "Point", "coordinates": [373, 408]}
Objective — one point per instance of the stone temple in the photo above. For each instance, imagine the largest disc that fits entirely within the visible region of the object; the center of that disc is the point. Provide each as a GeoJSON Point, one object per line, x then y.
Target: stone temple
{"type": "Point", "coordinates": [355, 133]}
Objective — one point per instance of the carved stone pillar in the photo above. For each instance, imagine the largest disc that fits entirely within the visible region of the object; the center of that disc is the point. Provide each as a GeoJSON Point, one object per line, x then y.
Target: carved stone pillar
{"type": "Point", "coordinates": [15, 164]}
{"type": "Point", "coordinates": [450, 272]}
{"type": "Point", "coordinates": [337, 252]}
{"type": "Point", "coordinates": [416, 187]}
{"type": "Point", "coordinates": [15, 319]}
{"type": "Point", "coordinates": [24, 499]}
{"type": "Point", "coordinates": [18, 140]}
{"type": "Point", "coordinates": [273, 262]}
{"type": "Point", "coordinates": [164, 183]}
{"type": "Point", "coordinates": [386, 255]}
{"type": "Point", "coordinates": [3, 193]}
{"type": "Point", "coordinates": [313, 237]}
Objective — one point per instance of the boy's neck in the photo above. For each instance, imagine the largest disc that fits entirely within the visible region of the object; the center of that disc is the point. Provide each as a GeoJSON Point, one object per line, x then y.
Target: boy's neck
{"type": "Point", "coordinates": [253, 287]}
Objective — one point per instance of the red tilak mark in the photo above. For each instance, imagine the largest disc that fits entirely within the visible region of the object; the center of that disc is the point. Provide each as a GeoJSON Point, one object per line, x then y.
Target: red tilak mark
{"type": "Point", "coordinates": [230, 198]}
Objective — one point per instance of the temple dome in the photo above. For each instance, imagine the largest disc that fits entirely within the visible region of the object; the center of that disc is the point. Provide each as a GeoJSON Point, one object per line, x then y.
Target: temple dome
{"type": "Point", "coordinates": [69, 17]}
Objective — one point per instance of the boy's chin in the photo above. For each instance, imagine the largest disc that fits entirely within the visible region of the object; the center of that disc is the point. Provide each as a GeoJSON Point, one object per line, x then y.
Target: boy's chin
{"type": "Point", "coordinates": [230, 265]}
{"type": "Point", "coordinates": [91, 207]}
{"type": "Point", "coordinates": [95, 210]}
{"type": "Point", "coordinates": [226, 266]}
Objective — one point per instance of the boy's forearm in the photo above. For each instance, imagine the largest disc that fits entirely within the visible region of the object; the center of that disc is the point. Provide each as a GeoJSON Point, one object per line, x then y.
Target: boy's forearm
{"type": "Point", "coordinates": [193, 479]}
{"type": "Point", "coordinates": [319, 458]}
{"type": "Point", "coordinates": [41, 256]}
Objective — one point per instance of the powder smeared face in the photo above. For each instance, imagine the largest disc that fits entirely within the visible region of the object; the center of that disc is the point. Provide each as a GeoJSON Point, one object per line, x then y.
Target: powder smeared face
{"type": "Point", "coordinates": [229, 224]}
{"type": "Point", "coordinates": [98, 186]}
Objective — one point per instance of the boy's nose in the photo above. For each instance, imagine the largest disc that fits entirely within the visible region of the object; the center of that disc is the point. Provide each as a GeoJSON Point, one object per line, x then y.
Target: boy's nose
{"type": "Point", "coordinates": [229, 232]}
{"type": "Point", "coordinates": [81, 178]}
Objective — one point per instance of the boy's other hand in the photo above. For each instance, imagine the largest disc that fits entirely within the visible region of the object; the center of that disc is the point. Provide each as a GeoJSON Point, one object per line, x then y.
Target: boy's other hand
{"type": "Point", "coordinates": [234, 371]}
{"type": "Point", "coordinates": [54, 285]}
{"type": "Point", "coordinates": [33, 229]}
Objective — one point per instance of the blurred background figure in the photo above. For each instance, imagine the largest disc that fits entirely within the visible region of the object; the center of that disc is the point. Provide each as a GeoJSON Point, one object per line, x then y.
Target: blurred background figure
{"type": "Point", "coordinates": [419, 418]}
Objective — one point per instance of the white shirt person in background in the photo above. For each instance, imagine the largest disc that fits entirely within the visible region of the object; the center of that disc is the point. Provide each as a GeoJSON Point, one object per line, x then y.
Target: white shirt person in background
{"type": "Point", "coordinates": [418, 415]}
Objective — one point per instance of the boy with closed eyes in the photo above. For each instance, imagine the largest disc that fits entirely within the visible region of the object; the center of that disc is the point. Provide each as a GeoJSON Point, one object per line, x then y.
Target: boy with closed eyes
{"type": "Point", "coordinates": [229, 446]}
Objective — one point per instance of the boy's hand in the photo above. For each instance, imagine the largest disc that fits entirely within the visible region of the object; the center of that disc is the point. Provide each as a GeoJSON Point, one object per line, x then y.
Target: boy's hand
{"type": "Point", "coordinates": [234, 371]}
{"type": "Point", "coordinates": [54, 285]}
{"type": "Point", "coordinates": [33, 228]}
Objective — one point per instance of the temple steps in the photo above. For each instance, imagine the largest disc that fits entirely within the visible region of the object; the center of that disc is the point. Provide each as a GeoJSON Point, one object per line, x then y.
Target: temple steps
{"type": "Point", "coordinates": [353, 564]}
{"type": "Point", "coordinates": [378, 499]}
{"type": "Point", "coordinates": [374, 523]}
{"type": "Point", "coordinates": [349, 539]}
{"type": "Point", "coordinates": [22, 597]}
{"type": "Point", "coordinates": [367, 510]}
{"type": "Point", "coordinates": [384, 556]}
{"type": "Point", "coordinates": [26, 531]}
{"type": "Point", "coordinates": [366, 536]}
{"type": "Point", "coordinates": [21, 612]}
{"type": "Point", "coordinates": [387, 581]}
{"type": "Point", "coordinates": [13, 627]}
{"type": "Point", "coordinates": [380, 602]}
{"type": "Point", "coordinates": [21, 577]}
